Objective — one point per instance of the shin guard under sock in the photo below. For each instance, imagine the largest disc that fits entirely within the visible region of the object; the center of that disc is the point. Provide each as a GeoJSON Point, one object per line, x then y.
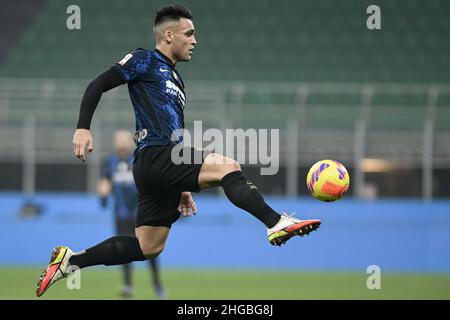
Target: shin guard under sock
{"type": "Point", "coordinates": [245, 195]}
{"type": "Point", "coordinates": [113, 251]}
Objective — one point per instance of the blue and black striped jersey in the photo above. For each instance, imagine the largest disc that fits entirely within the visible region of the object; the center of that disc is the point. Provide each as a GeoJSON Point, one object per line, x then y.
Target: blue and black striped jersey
{"type": "Point", "coordinates": [157, 94]}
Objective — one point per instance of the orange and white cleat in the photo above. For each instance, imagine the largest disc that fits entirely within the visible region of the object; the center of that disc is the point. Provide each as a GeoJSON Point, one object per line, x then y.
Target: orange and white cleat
{"type": "Point", "coordinates": [288, 227]}
{"type": "Point", "coordinates": [56, 269]}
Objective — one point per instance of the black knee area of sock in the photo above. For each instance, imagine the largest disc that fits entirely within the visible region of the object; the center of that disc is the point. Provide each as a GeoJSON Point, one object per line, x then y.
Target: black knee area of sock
{"type": "Point", "coordinates": [232, 177]}
{"type": "Point", "coordinates": [238, 188]}
{"type": "Point", "coordinates": [245, 195]}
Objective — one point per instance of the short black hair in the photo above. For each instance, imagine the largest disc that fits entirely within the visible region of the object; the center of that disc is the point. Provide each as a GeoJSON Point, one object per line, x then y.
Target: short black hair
{"type": "Point", "coordinates": [172, 12]}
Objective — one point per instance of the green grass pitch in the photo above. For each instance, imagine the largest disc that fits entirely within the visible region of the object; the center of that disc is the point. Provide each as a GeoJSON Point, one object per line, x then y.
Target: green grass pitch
{"type": "Point", "coordinates": [192, 284]}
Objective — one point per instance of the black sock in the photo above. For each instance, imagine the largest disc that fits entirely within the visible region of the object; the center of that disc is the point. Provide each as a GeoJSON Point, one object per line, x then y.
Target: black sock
{"type": "Point", "coordinates": [244, 194]}
{"type": "Point", "coordinates": [113, 251]}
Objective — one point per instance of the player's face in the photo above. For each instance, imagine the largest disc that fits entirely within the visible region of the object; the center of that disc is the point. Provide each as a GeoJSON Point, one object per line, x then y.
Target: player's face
{"type": "Point", "coordinates": [184, 40]}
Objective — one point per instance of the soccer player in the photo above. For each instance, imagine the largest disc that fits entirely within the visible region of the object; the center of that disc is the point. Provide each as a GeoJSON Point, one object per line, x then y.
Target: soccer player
{"type": "Point", "coordinates": [157, 94]}
{"type": "Point", "coordinates": [117, 179]}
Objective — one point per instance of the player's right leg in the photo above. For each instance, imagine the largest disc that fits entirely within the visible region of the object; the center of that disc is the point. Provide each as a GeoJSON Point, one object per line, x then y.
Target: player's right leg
{"type": "Point", "coordinates": [219, 170]}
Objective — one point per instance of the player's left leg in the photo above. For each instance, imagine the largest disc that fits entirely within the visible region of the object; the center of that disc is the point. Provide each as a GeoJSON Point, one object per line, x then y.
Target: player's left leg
{"type": "Point", "coordinates": [157, 211]}
{"type": "Point", "coordinates": [148, 244]}
{"type": "Point", "coordinates": [218, 170]}
{"type": "Point", "coordinates": [113, 251]}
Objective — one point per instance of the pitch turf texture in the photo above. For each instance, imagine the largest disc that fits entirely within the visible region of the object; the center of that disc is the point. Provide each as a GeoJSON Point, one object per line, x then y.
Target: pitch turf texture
{"type": "Point", "coordinates": [105, 283]}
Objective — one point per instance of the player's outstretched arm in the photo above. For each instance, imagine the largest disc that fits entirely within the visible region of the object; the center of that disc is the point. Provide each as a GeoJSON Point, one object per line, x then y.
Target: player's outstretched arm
{"type": "Point", "coordinates": [82, 138]}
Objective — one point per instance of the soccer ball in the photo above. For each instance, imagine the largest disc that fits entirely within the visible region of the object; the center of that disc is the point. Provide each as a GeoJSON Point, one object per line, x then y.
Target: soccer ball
{"type": "Point", "coordinates": [327, 180]}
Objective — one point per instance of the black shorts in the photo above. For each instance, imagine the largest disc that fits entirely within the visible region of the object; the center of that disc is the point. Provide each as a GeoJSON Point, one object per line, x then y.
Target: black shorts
{"type": "Point", "coordinates": [160, 182]}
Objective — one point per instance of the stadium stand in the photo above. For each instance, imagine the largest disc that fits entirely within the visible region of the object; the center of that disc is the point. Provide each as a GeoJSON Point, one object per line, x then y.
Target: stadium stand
{"type": "Point", "coordinates": [257, 65]}
{"type": "Point", "coordinates": [248, 40]}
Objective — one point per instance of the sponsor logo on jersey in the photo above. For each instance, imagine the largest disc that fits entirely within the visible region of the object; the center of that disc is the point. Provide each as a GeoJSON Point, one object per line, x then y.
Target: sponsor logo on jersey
{"type": "Point", "coordinates": [172, 88]}
{"type": "Point", "coordinates": [125, 59]}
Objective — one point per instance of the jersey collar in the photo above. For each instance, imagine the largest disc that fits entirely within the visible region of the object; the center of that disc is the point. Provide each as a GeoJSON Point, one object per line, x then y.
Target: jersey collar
{"type": "Point", "coordinates": [169, 62]}
{"type": "Point", "coordinates": [165, 58]}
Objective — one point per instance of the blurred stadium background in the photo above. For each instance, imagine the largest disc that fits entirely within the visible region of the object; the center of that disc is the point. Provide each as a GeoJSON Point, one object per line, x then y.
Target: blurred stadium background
{"type": "Point", "coordinates": [378, 101]}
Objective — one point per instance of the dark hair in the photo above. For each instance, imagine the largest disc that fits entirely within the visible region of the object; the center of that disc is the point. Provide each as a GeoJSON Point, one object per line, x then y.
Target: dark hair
{"type": "Point", "coordinates": [172, 12]}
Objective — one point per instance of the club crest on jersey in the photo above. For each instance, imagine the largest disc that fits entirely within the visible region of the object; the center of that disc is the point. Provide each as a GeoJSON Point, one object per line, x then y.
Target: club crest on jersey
{"type": "Point", "coordinates": [172, 88]}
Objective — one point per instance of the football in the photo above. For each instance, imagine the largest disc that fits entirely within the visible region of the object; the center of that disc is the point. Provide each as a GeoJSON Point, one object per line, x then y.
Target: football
{"type": "Point", "coordinates": [327, 180]}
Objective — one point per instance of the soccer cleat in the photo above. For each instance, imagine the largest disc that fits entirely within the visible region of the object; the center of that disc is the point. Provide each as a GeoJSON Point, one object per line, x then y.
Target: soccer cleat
{"type": "Point", "coordinates": [56, 269]}
{"type": "Point", "coordinates": [288, 227]}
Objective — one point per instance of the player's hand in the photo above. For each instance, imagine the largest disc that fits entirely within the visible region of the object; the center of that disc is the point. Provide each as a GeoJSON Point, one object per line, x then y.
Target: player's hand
{"type": "Point", "coordinates": [82, 143]}
{"type": "Point", "coordinates": [187, 204]}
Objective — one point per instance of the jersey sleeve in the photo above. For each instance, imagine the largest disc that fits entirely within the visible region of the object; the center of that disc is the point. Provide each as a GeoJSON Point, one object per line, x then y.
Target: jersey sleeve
{"type": "Point", "coordinates": [134, 65]}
